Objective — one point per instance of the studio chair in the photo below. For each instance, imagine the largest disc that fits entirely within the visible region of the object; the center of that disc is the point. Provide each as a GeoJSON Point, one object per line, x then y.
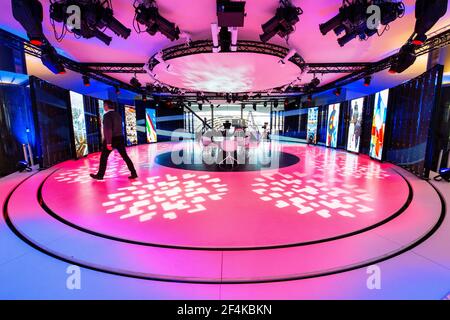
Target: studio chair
{"type": "Point", "coordinates": [229, 147]}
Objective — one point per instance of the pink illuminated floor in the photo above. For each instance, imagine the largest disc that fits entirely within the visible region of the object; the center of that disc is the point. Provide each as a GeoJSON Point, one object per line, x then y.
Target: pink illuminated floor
{"type": "Point", "coordinates": [326, 194]}
{"type": "Point", "coordinates": [332, 213]}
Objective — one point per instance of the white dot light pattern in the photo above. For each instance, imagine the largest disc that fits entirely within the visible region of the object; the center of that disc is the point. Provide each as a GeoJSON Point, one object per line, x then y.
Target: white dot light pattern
{"type": "Point", "coordinates": [168, 195]}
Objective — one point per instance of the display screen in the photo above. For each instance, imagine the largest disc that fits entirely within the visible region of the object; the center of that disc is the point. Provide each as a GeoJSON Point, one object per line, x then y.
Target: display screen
{"type": "Point", "coordinates": [79, 124]}
{"type": "Point", "coordinates": [101, 114]}
{"type": "Point", "coordinates": [378, 124]}
{"type": "Point", "coordinates": [355, 127]}
{"type": "Point", "coordinates": [333, 125]}
{"type": "Point", "coordinates": [312, 125]}
{"type": "Point", "coordinates": [150, 123]}
{"type": "Point", "coordinates": [130, 123]}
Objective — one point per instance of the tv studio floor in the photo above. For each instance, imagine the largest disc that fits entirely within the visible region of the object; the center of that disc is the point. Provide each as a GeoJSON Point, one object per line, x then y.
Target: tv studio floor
{"type": "Point", "coordinates": [309, 230]}
{"type": "Point", "coordinates": [279, 150]}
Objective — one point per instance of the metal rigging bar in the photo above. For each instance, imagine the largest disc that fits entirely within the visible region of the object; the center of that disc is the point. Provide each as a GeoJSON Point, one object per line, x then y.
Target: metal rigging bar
{"type": "Point", "coordinates": [438, 41]}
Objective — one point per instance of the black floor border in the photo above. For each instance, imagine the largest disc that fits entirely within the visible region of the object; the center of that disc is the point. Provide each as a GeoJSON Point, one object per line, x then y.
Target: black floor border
{"type": "Point", "coordinates": [242, 281]}
{"type": "Point", "coordinates": [274, 247]}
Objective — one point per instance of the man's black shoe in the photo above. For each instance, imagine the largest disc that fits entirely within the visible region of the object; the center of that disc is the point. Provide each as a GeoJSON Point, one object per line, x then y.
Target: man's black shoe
{"type": "Point", "coordinates": [133, 176]}
{"type": "Point", "coordinates": [96, 177]}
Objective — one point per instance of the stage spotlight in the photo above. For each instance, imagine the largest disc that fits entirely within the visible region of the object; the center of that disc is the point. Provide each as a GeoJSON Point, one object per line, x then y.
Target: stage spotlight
{"type": "Point", "coordinates": [367, 81]}
{"type": "Point", "coordinates": [405, 59]}
{"type": "Point", "coordinates": [23, 166]}
{"type": "Point", "coordinates": [160, 58]}
{"type": "Point", "coordinates": [254, 106]}
{"type": "Point", "coordinates": [147, 14]}
{"type": "Point", "coordinates": [265, 104]}
{"type": "Point", "coordinates": [29, 14]}
{"type": "Point", "coordinates": [290, 54]}
{"type": "Point", "coordinates": [315, 82]}
{"type": "Point", "coordinates": [86, 81]}
{"type": "Point", "coordinates": [51, 60]}
{"type": "Point", "coordinates": [354, 15]}
{"type": "Point", "coordinates": [135, 82]}
{"type": "Point", "coordinates": [228, 98]}
{"type": "Point", "coordinates": [200, 106]}
{"type": "Point", "coordinates": [337, 92]}
{"type": "Point", "coordinates": [144, 98]}
{"type": "Point", "coordinates": [230, 13]}
{"type": "Point", "coordinates": [117, 90]}
{"type": "Point", "coordinates": [282, 23]}
{"type": "Point", "coordinates": [97, 16]}
{"type": "Point", "coordinates": [275, 104]}
{"type": "Point", "coordinates": [428, 13]}
{"type": "Point", "coordinates": [444, 174]}
{"type": "Point", "coordinates": [309, 97]}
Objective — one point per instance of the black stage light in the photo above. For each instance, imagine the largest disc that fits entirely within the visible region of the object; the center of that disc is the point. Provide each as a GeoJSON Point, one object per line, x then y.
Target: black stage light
{"type": "Point", "coordinates": [22, 166]}
{"type": "Point", "coordinates": [309, 97]}
{"type": "Point", "coordinates": [225, 40]}
{"type": "Point", "coordinates": [254, 106]}
{"type": "Point", "coordinates": [29, 14]}
{"type": "Point", "coordinates": [275, 104]}
{"type": "Point", "coordinates": [428, 13]}
{"type": "Point", "coordinates": [282, 23]}
{"type": "Point", "coordinates": [354, 15]}
{"type": "Point", "coordinates": [86, 81]}
{"type": "Point", "coordinates": [135, 82]}
{"type": "Point", "coordinates": [444, 174]}
{"type": "Point", "coordinates": [337, 92]}
{"type": "Point", "coordinates": [95, 18]}
{"type": "Point", "coordinates": [51, 60]}
{"type": "Point", "coordinates": [227, 125]}
{"type": "Point", "coordinates": [265, 104]}
{"type": "Point", "coordinates": [200, 106]}
{"type": "Point", "coordinates": [230, 13]}
{"type": "Point", "coordinates": [148, 15]}
{"type": "Point", "coordinates": [117, 90]}
{"type": "Point", "coordinates": [367, 81]}
{"type": "Point", "coordinates": [144, 98]}
{"type": "Point", "coordinates": [404, 59]}
{"type": "Point", "coordinates": [315, 82]}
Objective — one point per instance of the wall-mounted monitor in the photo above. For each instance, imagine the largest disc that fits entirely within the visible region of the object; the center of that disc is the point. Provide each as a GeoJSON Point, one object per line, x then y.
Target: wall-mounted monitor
{"type": "Point", "coordinates": [355, 126]}
{"type": "Point", "coordinates": [101, 113]}
{"type": "Point", "coordinates": [333, 125]}
{"type": "Point", "coordinates": [378, 124]}
{"type": "Point", "coordinates": [311, 135]}
{"type": "Point", "coordinates": [130, 123]}
{"type": "Point", "coordinates": [150, 124]}
{"type": "Point", "coordinates": [79, 124]}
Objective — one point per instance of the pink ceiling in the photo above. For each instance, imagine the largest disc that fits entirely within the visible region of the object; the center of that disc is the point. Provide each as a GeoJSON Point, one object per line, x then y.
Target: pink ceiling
{"type": "Point", "coordinates": [196, 16]}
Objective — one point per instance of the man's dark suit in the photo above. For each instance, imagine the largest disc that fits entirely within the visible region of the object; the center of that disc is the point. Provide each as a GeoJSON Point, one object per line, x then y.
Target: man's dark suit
{"type": "Point", "coordinates": [113, 135]}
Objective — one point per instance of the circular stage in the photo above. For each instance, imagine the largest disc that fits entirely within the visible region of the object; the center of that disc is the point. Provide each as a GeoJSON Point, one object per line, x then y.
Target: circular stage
{"type": "Point", "coordinates": [330, 212]}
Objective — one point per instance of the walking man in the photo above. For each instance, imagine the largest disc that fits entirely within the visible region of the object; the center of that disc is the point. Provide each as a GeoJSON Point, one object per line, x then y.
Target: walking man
{"type": "Point", "coordinates": [113, 138]}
